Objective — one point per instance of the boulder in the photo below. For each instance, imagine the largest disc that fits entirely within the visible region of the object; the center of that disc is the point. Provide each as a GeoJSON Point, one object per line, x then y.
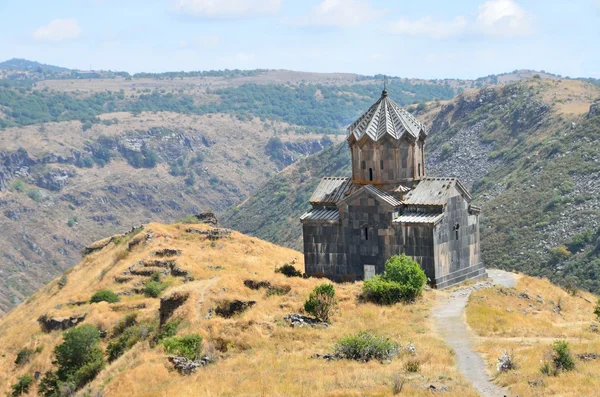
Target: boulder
{"type": "Point", "coordinates": [49, 324]}
{"type": "Point", "coordinates": [298, 320]}
{"type": "Point", "coordinates": [185, 366]}
{"type": "Point", "coordinates": [231, 308]}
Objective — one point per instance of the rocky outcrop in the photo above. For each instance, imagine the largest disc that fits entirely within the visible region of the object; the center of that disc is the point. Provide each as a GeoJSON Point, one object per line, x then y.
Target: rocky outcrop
{"type": "Point", "coordinates": [169, 304]}
{"type": "Point", "coordinates": [49, 324]}
{"type": "Point", "coordinates": [208, 218]}
{"type": "Point", "coordinates": [54, 180]}
{"type": "Point", "coordinates": [213, 234]}
{"type": "Point", "coordinates": [298, 320]}
{"type": "Point", "coordinates": [185, 366]}
{"type": "Point", "coordinates": [231, 308]}
{"type": "Point", "coordinates": [594, 109]}
{"type": "Point", "coordinates": [13, 165]}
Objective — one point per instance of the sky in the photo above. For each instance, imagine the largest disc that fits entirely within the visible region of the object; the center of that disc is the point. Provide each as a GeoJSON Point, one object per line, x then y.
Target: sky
{"type": "Point", "coordinates": [422, 39]}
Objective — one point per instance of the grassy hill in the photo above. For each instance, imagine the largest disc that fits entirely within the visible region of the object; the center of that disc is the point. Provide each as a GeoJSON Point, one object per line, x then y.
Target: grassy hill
{"type": "Point", "coordinates": [255, 352]}
{"type": "Point", "coordinates": [526, 150]}
{"type": "Point", "coordinates": [525, 321]}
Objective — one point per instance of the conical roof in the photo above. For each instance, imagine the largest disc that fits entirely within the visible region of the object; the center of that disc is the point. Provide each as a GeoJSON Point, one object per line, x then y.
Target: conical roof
{"type": "Point", "coordinates": [386, 117]}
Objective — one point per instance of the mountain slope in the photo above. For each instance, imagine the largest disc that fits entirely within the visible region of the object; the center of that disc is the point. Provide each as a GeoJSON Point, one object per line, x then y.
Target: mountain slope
{"type": "Point", "coordinates": [30, 66]}
{"type": "Point", "coordinates": [527, 151]}
{"type": "Point", "coordinates": [255, 352]}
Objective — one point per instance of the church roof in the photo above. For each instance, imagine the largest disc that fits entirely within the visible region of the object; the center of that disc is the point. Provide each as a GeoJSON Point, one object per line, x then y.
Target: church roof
{"type": "Point", "coordinates": [436, 191]}
{"type": "Point", "coordinates": [388, 198]}
{"type": "Point", "coordinates": [386, 117]}
{"type": "Point", "coordinates": [413, 218]}
{"type": "Point", "coordinates": [321, 214]}
{"type": "Point", "coordinates": [330, 190]}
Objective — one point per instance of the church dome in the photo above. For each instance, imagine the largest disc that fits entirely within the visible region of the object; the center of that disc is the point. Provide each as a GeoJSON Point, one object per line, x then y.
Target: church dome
{"type": "Point", "coordinates": [386, 117]}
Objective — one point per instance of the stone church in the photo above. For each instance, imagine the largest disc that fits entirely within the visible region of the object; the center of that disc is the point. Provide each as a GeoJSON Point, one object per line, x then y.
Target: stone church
{"type": "Point", "coordinates": [389, 206]}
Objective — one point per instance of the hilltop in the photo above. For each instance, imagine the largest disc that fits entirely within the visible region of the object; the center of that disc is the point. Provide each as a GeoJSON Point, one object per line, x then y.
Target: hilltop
{"type": "Point", "coordinates": [255, 352]}
{"type": "Point", "coordinates": [523, 148]}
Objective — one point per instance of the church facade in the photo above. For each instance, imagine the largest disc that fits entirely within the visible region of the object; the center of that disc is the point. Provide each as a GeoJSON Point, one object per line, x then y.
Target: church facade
{"type": "Point", "coordinates": [389, 207]}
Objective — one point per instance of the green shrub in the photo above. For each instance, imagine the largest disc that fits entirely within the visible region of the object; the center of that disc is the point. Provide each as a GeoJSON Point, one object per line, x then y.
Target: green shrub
{"type": "Point", "coordinates": [447, 151]}
{"type": "Point", "coordinates": [289, 270]}
{"type": "Point", "coordinates": [34, 194]}
{"type": "Point", "coordinates": [24, 356]}
{"type": "Point", "coordinates": [188, 346]}
{"type": "Point", "coordinates": [104, 295]}
{"type": "Point", "coordinates": [561, 356]}
{"type": "Point", "coordinates": [79, 358]}
{"type": "Point", "coordinates": [379, 290]}
{"type": "Point", "coordinates": [153, 289]}
{"type": "Point", "coordinates": [128, 321]}
{"type": "Point", "coordinates": [403, 280]}
{"type": "Point", "coordinates": [366, 346]}
{"type": "Point", "coordinates": [321, 303]}
{"type": "Point", "coordinates": [48, 386]}
{"type": "Point", "coordinates": [22, 386]}
{"type": "Point", "coordinates": [168, 330]}
{"type": "Point", "coordinates": [18, 186]}
{"type": "Point", "coordinates": [597, 310]}
{"type": "Point", "coordinates": [124, 342]}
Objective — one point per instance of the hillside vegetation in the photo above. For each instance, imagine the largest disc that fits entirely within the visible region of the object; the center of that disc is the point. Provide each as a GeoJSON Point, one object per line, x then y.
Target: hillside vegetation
{"type": "Point", "coordinates": [526, 321]}
{"type": "Point", "coordinates": [252, 353]}
{"type": "Point", "coordinates": [527, 151]}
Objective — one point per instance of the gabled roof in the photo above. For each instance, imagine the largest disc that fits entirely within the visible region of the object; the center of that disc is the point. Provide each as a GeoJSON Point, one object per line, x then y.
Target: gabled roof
{"type": "Point", "coordinates": [379, 194]}
{"type": "Point", "coordinates": [436, 191]}
{"type": "Point", "coordinates": [330, 190]}
{"type": "Point", "coordinates": [386, 117]}
{"type": "Point", "coordinates": [321, 214]}
{"type": "Point", "coordinates": [413, 218]}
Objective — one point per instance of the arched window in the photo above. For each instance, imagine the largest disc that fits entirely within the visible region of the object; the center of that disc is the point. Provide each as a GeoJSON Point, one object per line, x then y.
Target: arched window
{"type": "Point", "coordinates": [366, 233]}
{"type": "Point", "coordinates": [381, 164]}
{"type": "Point", "coordinates": [455, 228]}
{"type": "Point", "coordinates": [419, 169]}
{"type": "Point", "coordinates": [370, 174]}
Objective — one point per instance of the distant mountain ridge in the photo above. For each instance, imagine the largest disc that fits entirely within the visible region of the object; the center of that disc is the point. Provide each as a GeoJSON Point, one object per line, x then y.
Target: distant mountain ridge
{"type": "Point", "coordinates": [30, 66]}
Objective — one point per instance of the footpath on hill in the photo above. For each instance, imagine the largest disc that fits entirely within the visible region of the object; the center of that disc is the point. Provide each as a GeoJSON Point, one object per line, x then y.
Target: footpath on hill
{"type": "Point", "coordinates": [451, 325]}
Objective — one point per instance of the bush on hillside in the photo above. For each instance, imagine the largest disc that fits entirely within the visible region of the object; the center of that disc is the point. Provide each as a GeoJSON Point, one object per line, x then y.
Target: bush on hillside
{"type": "Point", "coordinates": [597, 310]}
{"type": "Point", "coordinates": [366, 346]}
{"type": "Point", "coordinates": [188, 346]}
{"type": "Point", "coordinates": [24, 356]}
{"type": "Point", "coordinates": [22, 386]}
{"type": "Point", "coordinates": [403, 280]}
{"type": "Point", "coordinates": [153, 289]}
{"type": "Point", "coordinates": [561, 356]}
{"type": "Point", "coordinates": [289, 270]}
{"type": "Point", "coordinates": [561, 359]}
{"type": "Point", "coordinates": [321, 303]}
{"type": "Point", "coordinates": [79, 358]}
{"type": "Point", "coordinates": [104, 295]}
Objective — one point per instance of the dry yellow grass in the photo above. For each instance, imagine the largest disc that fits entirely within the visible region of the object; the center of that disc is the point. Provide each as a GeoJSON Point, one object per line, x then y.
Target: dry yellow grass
{"type": "Point", "coordinates": [256, 353]}
{"type": "Point", "coordinates": [506, 322]}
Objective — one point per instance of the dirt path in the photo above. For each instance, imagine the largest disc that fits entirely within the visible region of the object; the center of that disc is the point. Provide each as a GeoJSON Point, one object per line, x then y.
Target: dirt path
{"type": "Point", "coordinates": [452, 327]}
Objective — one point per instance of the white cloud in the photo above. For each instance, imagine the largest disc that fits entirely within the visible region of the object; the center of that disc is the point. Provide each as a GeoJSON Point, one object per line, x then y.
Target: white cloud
{"type": "Point", "coordinates": [503, 18]}
{"type": "Point", "coordinates": [428, 27]}
{"type": "Point", "coordinates": [225, 8]}
{"type": "Point", "coordinates": [339, 13]}
{"type": "Point", "coordinates": [58, 30]}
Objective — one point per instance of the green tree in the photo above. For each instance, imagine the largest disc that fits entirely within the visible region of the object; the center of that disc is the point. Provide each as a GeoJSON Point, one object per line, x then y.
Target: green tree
{"type": "Point", "coordinates": [561, 356]}
{"type": "Point", "coordinates": [321, 302]}
{"type": "Point", "coordinates": [79, 358]}
{"type": "Point", "coordinates": [22, 386]}
{"type": "Point", "coordinates": [597, 310]}
{"type": "Point", "coordinates": [402, 280]}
